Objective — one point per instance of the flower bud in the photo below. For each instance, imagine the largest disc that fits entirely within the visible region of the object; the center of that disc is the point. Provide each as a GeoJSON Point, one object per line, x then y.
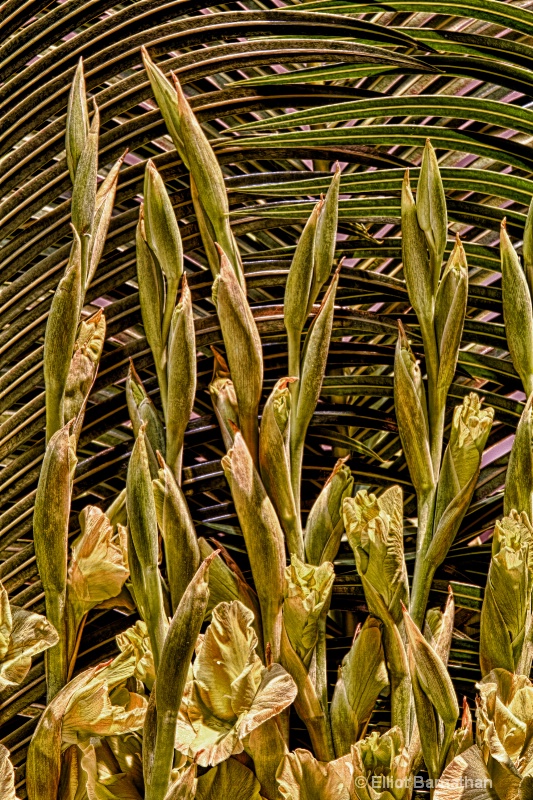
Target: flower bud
{"type": "Point", "coordinates": [163, 238]}
{"type": "Point", "coordinates": [325, 523]}
{"type": "Point", "coordinates": [77, 126]}
{"type": "Point", "coordinates": [263, 538]}
{"type": "Point", "coordinates": [84, 364]}
{"type": "Point", "coordinates": [314, 359]}
{"type": "Point", "coordinates": [50, 536]}
{"type": "Point", "coordinates": [142, 521]}
{"type": "Point", "coordinates": [505, 614]}
{"type": "Point", "coordinates": [411, 412]}
{"type": "Point", "coordinates": [176, 656]}
{"type": "Point", "coordinates": [181, 378]}
{"type": "Point", "coordinates": [243, 348]}
{"type": "Point", "coordinates": [161, 227]}
{"type": "Point", "coordinates": [432, 674]}
{"type": "Point", "coordinates": [142, 411]}
{"type": "Point", "coordinates": [105, 200]}
{"type": "Point", "coordinates": [60, 338]}
{"type": "Point", "coordinates": [517, 311]}
{"type": "Point", "coordinates": [307, 600]}
{"type": "Point", "coordinates": [227, 583]}
{"type": "Point", "coordinates": [431, 210]}
{"type": "Point", "coordinates": [326, 237]}
{"type": "Point", "coordinates": [298, 285]}
{"type": "Point", "coordinates": [182, 555]}
{"type": "Point", "coordinates": [527, 248]}
{"type": "Point", "coordinates": [374, 527]}
{"type": "Point", "coordinates": [419, 279]}
{"type": "Point", "coordinates": [84, 192]}
{"type": "Point", "coordinates": [434, 698]}
{"type": "Point", "coordinates": [197, 154]}
{"type": "Point", "coordinates": [274, 463]}
{"type": "Point", "coordinates": [362, 678]}
{"type": "Point", "coordinates": [471, 426]}
{"type": "Point", "coordinates": [151, 291]}
{"type": "Point", "coordinates": [450, 310]}
{"type": "Point", "coordinates": [519, 478]}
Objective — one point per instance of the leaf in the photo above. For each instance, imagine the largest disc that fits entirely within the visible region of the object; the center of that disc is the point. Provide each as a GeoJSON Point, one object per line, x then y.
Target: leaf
{"type": "Point", "coordinates": [7, 775]}
{"type": "Point", "coordinates": [301, 777]}
{"type": "Point", "coordinates": [228, 779]}
{"type": "Point", "coordinates": [25, 635]}
{"type": "Point", "coordinates": [466, 778]}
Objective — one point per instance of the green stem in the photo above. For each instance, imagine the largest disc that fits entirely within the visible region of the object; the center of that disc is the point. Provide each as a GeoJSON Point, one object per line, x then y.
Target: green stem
{"type": "Point", "coordinates": [250, 434]}
{"type": "Point", "coordinates": [54, 417]}
{"type": "Point", "coordinates": [56, 658]}
{"type": "Point", "coordinates": [296, 447]}
{"type": "Point", "coordinates": [155, 612]}
{"type": "Point", "coordinates": [160, 368]}
{"type": "Point", "coordinates": [422, 577]}
{"type": "Point", "coordinates": [170, 304]}
{"type": "Point", "coordinates": [436, 408]}
{"type": "Point", "coordinates": [322, 678]}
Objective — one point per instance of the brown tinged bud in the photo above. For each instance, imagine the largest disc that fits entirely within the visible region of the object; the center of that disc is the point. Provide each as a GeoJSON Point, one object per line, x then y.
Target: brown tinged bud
{"type": "Point", "coordinates": [77, 126]}
{"type": "Point", "coordinates": [181, 378]}
{"type": "Point", "coordinates": [419, 280]}
{"type": "Point", "coordinates": [182, 554]}
{"type": "Point", "coordinates": [411, 412]}
{"type": "Point", "coordinates": [60, 337]}
{"type": "Point", "coordinates": [262, 535]}
{"type": "Point", "coordinates": [274, 461]}
{"type": "Point", "coordinates": [243, 349]}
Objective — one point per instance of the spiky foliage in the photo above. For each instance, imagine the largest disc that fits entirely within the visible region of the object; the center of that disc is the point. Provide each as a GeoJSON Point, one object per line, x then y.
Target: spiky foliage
{"type": "Point", "coordinates": [91, 751]}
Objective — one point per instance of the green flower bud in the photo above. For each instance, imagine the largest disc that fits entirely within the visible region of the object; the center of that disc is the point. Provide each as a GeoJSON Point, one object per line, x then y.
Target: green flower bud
{"type": "Point", "coordinates": [471, 426]}
{"type": "Point", "coordinates": [362, 678]}
{"type": "Point", "coordinates": [243, 348]}
{"type": "Point", "coordinates": [431, 209]}
{"type": "Point", "coordinates": [84, 364]}
{"type": "Point", "coordinates": [450, 310]}
{"type": "Point", "coordinates": [307, 600]}
{"type": "Point", "coordinates": [506, 611]}
{"type": "Point", "coordinates": [519, 478]}
{"type": "Point", "coordinates": [299, 280]}
{"type": "Point", "coordinates": [181, 378]}
{"type": "Point", "coordinates": [419, 279]}
{"type": "Point", "coordinates": [325, 523]}
{"type": "Point", "coordinates": [374, 527]}
{"type": "Point", "coordinates": [411, 412]}
{"type": "Point", "coordinates": [517, 311]}
{"type": "Point", "coordinates": [77, 127]}
{"type": "Point", "coordinates": [274, 463]}
{"type": "Point", "coordinates": [182, 554]}
{"type": "Point", "coordinates": [60, 338]}
{"type": "Point", "coordinates": [326, 236]}
{"type": "Point", "coordinates": [263, 538]}
{"type": "Point", "coordinates": [142, 519]}
{"type": "Point", "coordinates": [527, 248]}
{"type": "Point", "coordinates": [142, 411]}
